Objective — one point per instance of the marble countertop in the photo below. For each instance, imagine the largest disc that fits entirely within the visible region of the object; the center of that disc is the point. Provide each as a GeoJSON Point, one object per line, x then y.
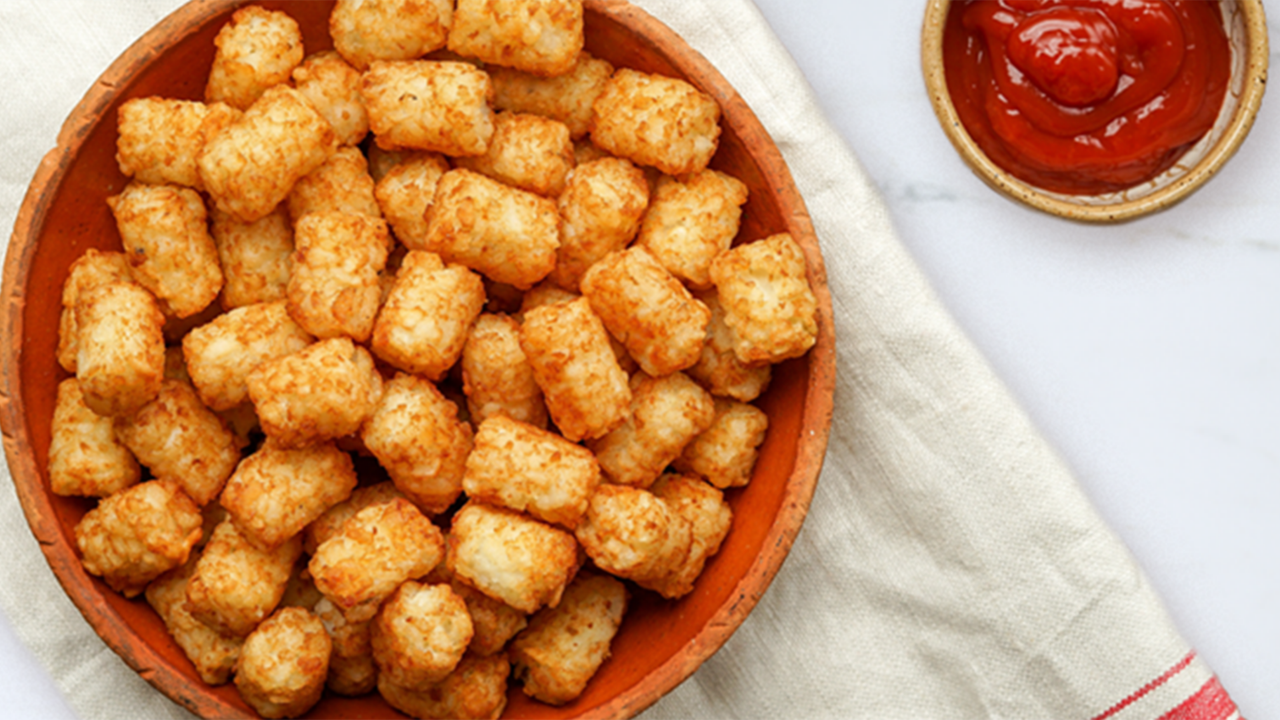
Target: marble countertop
{"type": "Point", "coordinates": [1147, 353]}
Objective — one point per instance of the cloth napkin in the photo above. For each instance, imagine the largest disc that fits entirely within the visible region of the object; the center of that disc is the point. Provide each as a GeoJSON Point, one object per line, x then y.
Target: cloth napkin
{"type": "Point", "coordinates": [949, 567]}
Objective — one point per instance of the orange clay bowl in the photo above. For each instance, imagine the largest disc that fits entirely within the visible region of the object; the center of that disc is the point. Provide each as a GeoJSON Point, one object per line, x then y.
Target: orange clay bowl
{"type": "Point", "coordinates": [1246, 26]}
{"type": "Point", "coordinates": [65, 212]}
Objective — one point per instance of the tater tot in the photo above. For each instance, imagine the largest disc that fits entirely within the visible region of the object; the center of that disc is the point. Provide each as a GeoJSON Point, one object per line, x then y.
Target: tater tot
{"type": "Point", "coordinates": [367, 30]}
{"type": "Point", "coordinates": [120, 347]}
{"type": "Point", "coordinates": [333, 289]}
{"type": "Point", "coordinates": [510, 556]}
{"type": "Point", "coordinates": [341, 184]}
{"type": "Point", "coordinates": [236, 584]}
{"type": "Point", "coordinates": [284, 663]}
{"type": "Point", "coordinates": [351, 668]}
{"type": "Point", "coordinates": [256, 257]}
{"type": "Point", "coordinates": [85, 456]}
{"type": "Point", "coordinates": [417, 437]}
{"type": "Point", "coordinates": [213, 654]}
{"type": "Point", "coordinates": [542, 37]}
{"type": "Point", "coordinates": [523, 468]}
{"type": "Point", "coordinates": [690, 221]}
{"type": "Point", "coordinates": [159, 139]}
{"type": "Point", "coordinates": [476, 690]}
{"type": "Point", "coordinates": [405, 192]}
{"type": "Point", "coordinates": [138, 534]}
{"type": "Point", "coordinates": [634, 534]}
{"type": "Point", "coordinates": [251, 166]}
{"type": "Point", "coordinates": [601, 210]}
{"type": "Point", "coordinates": [276, 492]}
{"type": "Point", "coordinates": [506, 234]}
{"type": "Point", "coordinates": [423, 325]}
{"type": "Point", "coordinates": [529, 152]}
{"type": "Point", "coordinates": [319, 393]}
{"type": "Point", "coordinates": [666, 414]}
{"type": "Point", "coordinates": [768, 304]}
{"type": "Point", "coordinates": [333, 89]}
{"type": "Point", "coordinates": [180, 439]}
{"type": "Point", "coordinates": [90, 270]}
{"type": "Point", "coordinates": [658, 320]}
{"type": "Point", "coordinates": [256, 49]}
{"type": "Point", "coordinates": [221, 354]}
{"type": "Point", "coordinates": [563, 646]}
{"type": "Point", "coordinates": [725, 453]}
{"type": "Point", "coordinates": [429, 105]}
{"type": "Point", "coordinates": [567, 97]}
{"type": "Point", "coordinates": [419, 634]}
{"type": "Point", "coordinates": [496, 376]}
{"type": "Point", "coordinates": [681, 124]}
{"type": "Point", "coordinates": [718, 368]}
{"type": "Point", "coordinates": [709, 518]}
{"type": "Point", "coordinates": [373, 552]}
{"type": "Point", "coordinates": [330, 521]}
{"type": "Point", "coordinates": [166, 238]}
{"type": "Point", "coordinates": [494, 621]}
{"type": "Point", "coordinates": [568, 348]}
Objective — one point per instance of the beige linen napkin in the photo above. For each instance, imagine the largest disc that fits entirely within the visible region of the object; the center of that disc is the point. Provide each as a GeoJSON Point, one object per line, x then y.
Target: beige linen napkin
{"type": "Point", "coordinates": [949, 567]}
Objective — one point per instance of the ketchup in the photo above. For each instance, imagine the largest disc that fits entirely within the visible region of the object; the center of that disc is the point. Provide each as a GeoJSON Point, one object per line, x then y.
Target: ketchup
{"type": "Point", "coordinates": [1086, 96]}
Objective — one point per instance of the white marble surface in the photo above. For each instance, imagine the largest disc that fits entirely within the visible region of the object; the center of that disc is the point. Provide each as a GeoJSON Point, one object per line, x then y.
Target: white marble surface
{"type": "Point", "coordinates": [1148, 353]}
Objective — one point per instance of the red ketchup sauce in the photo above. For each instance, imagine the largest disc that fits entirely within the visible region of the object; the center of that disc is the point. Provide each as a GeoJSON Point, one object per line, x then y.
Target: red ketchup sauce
{"type": "Point", "coordinates": [1086, 96]}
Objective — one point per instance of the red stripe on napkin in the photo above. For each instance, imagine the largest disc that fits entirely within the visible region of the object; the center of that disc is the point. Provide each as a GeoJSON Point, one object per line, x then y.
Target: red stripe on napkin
{"type": "Point", "coordinates": [1142, 691]}
{"type": "Point", "coordinates": [1209, 703]}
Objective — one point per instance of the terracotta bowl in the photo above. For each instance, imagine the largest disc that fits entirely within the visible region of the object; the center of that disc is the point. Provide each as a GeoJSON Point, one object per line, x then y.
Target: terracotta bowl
{"type": "Point", "coordinates": [1247, 32]}
{"type": "Point", "coordinates": [661, 643]}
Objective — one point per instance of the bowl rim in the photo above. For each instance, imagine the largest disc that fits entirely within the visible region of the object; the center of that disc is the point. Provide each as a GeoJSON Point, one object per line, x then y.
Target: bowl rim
{"type": "Point", "coordinates": [63, 559]}
{"type": "Point", "coordinates": [1257, 57]}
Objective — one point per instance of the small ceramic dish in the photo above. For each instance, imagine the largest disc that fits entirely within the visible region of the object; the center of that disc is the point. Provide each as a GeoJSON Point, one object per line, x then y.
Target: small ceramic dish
{"type": "Point", "coordinates": [1247, 34]}
{"type": "Point", "coordinates": [65, 212]}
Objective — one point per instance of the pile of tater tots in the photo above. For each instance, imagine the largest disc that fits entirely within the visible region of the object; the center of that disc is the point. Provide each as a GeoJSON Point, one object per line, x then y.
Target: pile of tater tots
{"type": "Point", "coordinates": [458, 246]}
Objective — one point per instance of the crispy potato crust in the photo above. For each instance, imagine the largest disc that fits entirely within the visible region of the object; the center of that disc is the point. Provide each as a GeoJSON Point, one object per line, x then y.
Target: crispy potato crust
{"type": "Point", "coordinates": [213, 654]}
{"type": "Point", "coordinates": [256, 257]}
{"type": "Point", "coordinates": [221, 354]}
{"type": "Point", "coordinates": [496, 376]}
{"type": "Point", "coordinates": [333, 89]}
{"type": "Point", "coordinates": [257, 49]}
{"type": "Point", "coordinates": [283, 664]}
{"type": "Point", "coordinates": [251, 166]}
{"type": "Point", "coordinates": [508, 235]}
{"type": "Point", "coordinates": [476, 690]}
{"type": "Point", "coordinates": [406, 191]}
{"type": "Point", "coordinates": [690, 221]}
{"type": "Point", "coordinates": [319, 393]}
{"type": "Point", "coordinates": [725, 453]}
{"type": "Point", "coordinates": [120, 347]}
{"type": "Point", "coordinates": [563, 646]}
{"type": "Point", "coordinates": [542, 37]}
{"type": "Point", "coordinates": [429, 105]}
{"type": "Point", "coordinates": [524, 468]}
{"type": "Point", "coordinates": [375, 551]}
{"type": "Point", "coordinates": [367, 30]}
{"type": "Point", "coordinates": [420, 634]}
{"type": "Point", "coordinates": [527, 151]}
{"type": "Point", "coordinates": [567, 97]}
{"type": "Point", "coordinates": [85, 456]}
{"type": "Point", "coordinates": [166, 238]}
{"type": "Point", "coordinates": [236, 584]}
{"type": "Point", "coordinates": [159, 139]}
{"type": "Point", "coordinates": [180, 439]}
{"type": "Point", "coordinates": [681, 124]}
{"type": "Point", "coordinates": [601, 210]}
{"type": "Point", "coordinates": [634, 534]}
{"type": "Point", "coordinates": [510, 556]}
{"type": "Point", "coordinates": [709, 517]}
{"type": "Point", "coordinates": [276, 492]}
{"type": "Point", "coordinates": [662, 325]}
{"type": "Point", "coordinates": [333, 290]}
{"type": "Point", "coordinates": [424, 322]}
{"type": "Point", "coordinates": [768, 304]}
{"type": "Point", "coordinates": [417, 437]}
{"type": "Point", "coordinates": [138, 534]}
{"type": "Point", "coordinates": [568, 348]}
